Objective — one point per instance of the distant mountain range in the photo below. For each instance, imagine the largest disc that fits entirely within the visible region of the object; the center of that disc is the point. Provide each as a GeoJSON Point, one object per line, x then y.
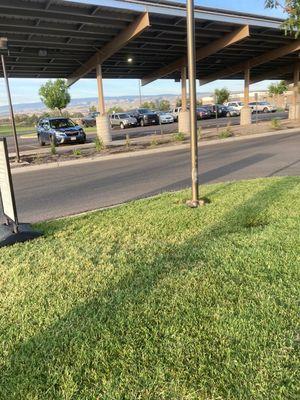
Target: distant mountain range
{"type": "Point", "coordinates": [83, 104]}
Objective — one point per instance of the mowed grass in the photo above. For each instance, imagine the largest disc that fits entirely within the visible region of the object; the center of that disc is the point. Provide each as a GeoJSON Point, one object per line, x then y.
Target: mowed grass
{"type": "Point", "coordinates": [6, 130]}
{"type": "Point", "coordinates": [153, 300]}
{"type": "Point", "coordinates": [30, 131]}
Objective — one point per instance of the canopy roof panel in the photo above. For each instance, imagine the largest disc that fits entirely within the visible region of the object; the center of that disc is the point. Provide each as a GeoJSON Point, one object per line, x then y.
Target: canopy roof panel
{"type": "Point", "coordinates": [53, 38]}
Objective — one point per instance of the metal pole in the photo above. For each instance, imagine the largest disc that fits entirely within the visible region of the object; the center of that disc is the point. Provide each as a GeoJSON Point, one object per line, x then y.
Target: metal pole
{"type": "Point", "coordinates": [193, 100]}
{"type": "Point", "coordinates": [11, 110]}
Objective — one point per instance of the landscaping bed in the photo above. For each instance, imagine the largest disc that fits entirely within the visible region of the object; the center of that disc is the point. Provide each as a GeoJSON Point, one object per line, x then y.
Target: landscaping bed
{"type": "Point", "coordinates": [92, 150]}
{"type": "Point", "coordinates": [154, 300]}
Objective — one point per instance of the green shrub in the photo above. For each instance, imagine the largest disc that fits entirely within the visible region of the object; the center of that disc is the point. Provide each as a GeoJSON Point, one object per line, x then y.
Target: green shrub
{"type": "Point", "coordinates": [178, 137]}
{"type": "Point", "coordinates": [154, 141]}
{"type": "Point", "coordinates": [226, 133]}
{"type": "Point", "coordinates": [275, 123]}
{"type": "Point", "coordinates": [99, 145]}
{"type": "Point", "coordinates": [77, 152]}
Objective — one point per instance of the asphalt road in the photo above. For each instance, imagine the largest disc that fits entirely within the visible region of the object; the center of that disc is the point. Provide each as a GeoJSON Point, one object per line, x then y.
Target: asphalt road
{"type": "Point", "coordinates": [45, 194]}
{"type": "Point", "coordinates": [31, 144]}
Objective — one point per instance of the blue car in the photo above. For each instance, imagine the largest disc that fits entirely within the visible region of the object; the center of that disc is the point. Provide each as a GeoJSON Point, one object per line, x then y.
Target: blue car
{"type": "Point", "coordinates": [58, 131]}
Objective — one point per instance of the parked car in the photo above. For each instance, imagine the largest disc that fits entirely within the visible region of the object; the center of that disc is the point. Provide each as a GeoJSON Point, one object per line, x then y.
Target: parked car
{"type": "Point", "coordinates": [59, 130]}
{"type": "Point", "coordinates": [262, 106]}
{"type": "Point", "coordinates": [144, 116]}
{"type": "Point", "coordinates": [236, 105]}
{"type": "Point", "coordinates": [203, 113]}
{"type": "Point", "coordinates": [165, 117]}
{"type": "Point", "coordinates": [90, 119]}
{"type": "Point", "coordinates": [122, 120]}
{"type": "Point", "coordinates": [175, 112]}
{"type": "Point", "coordinates": [213, 108]}
{"type": "Point", "coordinates": [231, 112]}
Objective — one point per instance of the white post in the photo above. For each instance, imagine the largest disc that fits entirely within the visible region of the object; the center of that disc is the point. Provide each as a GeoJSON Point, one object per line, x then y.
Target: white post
{"type": "Point", "coordinates": [246, 110]}
{"type": "Point", "coordinates": [103, 123]}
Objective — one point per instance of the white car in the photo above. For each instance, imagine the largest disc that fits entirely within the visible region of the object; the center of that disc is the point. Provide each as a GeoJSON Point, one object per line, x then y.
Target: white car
{"type": "Point", "coordinates": [175, 113]}
{"type": "Point", "coordinates": [235, 105]}
{"type": "Point", "coordinates": [165, 118]}
{"type": "Point", "coordinates": [262, 106]}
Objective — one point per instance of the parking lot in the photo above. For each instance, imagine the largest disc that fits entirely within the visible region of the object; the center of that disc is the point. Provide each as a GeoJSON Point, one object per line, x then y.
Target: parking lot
{"type": "Point", "coordinates": [31, 143]}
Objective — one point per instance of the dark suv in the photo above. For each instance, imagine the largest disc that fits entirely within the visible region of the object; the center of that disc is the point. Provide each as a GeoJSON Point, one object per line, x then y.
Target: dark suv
{"type": "Point", "coordinates": [90, 119]}
{"type": "Point", "coordinates": [144, 116]}
{"type": "Point", "coordinates": [59, 130]}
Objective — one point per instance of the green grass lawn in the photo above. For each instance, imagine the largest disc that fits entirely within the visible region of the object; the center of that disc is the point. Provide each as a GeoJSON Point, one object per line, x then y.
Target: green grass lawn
{"type": "Point", "coordinates": [6, 130]}
{"type": "Point", "coordinates": [153, 300]}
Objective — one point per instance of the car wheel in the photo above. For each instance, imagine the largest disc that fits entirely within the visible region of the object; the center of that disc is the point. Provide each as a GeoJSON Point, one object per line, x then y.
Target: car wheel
{"type": "Point", "coordinates": [122, 126]}
{"type": "Point", "coordinates": [265, 110]}
{"type": "Point", "coordinates": [142, 123]}
{"type": "Point", "coordinates": [41, 142]}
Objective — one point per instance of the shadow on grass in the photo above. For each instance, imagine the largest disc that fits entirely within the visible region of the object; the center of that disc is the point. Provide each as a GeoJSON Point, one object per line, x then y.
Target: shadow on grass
{"type": "Point", "coordinates": [38, 367]}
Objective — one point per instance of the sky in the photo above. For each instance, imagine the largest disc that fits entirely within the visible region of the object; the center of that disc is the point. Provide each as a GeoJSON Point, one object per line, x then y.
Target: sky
{"type": "Point", "coordinates": [26, 90]}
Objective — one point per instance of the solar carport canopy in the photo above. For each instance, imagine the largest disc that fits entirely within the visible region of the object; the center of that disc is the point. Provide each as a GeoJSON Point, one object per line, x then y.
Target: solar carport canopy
{"type": "Point", "coordinates": [55, 38]}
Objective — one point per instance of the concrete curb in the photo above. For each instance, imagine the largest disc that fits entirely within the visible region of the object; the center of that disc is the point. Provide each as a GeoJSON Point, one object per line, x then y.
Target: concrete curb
{"type": "Point", "coordinates": [147, 151]}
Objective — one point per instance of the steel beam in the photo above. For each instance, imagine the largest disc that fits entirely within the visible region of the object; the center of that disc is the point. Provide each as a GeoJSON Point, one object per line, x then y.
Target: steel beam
{"type": "Point", "coordinates": [201, 53]}
{"type": "Point", "coordinates": [131, 32]}
{"type": "Point", "coordinates": [253, 62]}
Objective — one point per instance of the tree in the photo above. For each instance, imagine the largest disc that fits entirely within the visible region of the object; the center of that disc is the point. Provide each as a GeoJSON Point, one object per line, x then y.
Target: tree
{"type": "Point", "coordinates": [178, 102]}
{"type": "Point", "coordinates": [277, 89]}
{"type": "Point", "coordinates": [149, 104]}
{"type": "Point", "coordinates": [55, 95]}
{"type": "Point", "coordinates": [221, 95]}
{"type": "Point", "coordinates": [115, 109]}
{"type": "Point", "coordinates": [92, 109]}
{"type": "Point", "coordinates": [291, 7]}
{"type": "Point", "coordinates": [164, 105]}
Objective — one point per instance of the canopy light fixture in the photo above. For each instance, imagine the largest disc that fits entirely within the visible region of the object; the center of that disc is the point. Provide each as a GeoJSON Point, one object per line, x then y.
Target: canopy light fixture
{"type": "Point", "coordinates": [3, 45]}
{"type": "Point", "coordinates": [42, 53]}
{"type": "Point", "coordinates": [129, 59]}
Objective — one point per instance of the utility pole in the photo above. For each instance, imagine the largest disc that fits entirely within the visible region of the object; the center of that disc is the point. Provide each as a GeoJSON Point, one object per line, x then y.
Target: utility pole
{"type": "Point", "coordinates": [4, 50]}
{"type": "Point", "coordinates": [194, 202]}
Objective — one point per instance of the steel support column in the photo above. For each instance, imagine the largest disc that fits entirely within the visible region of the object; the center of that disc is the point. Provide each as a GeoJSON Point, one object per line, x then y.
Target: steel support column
{"type": "Point", "coordinates": [193, 101]}
{"type": "Point", "coordinates": [246, 110]}
{"type": "Point", "coordinates": [295, 106]}
{"type": "Point", "coordinates": [102, 121]}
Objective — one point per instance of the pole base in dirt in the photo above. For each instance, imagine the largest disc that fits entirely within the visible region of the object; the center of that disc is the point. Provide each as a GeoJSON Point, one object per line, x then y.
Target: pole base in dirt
{"type": "Point", "coordinates": [294, 111]}
{"type": "Point", "coordinates": [195, 203]}
{"type": "Point", "coordinates": [184, 122]}
{"type": "Point", "coordinates": [246, 113]}
{"type": "Point", "coordinates": [25, 233]}
{"type": "Point", "coordinates": [103, 128]}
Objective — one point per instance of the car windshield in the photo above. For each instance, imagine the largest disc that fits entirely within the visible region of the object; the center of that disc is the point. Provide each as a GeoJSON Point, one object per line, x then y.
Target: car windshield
{"type": "Point", "coordinates": [61, 123]}
{"type": "Point", "coordinates": [122, 116]}
{"type": "Point", "coordinates": [144, 111]}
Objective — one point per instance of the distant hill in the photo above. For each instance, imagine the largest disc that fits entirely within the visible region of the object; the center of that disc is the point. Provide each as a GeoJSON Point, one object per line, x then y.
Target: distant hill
{"type": "Point", "coordinates": [83, 104]}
